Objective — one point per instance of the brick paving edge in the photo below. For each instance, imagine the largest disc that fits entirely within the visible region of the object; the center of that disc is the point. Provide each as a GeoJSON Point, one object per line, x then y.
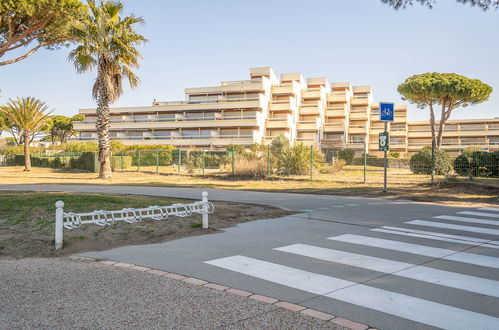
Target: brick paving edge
{"type": "Point", "coordinates": [268, 300]}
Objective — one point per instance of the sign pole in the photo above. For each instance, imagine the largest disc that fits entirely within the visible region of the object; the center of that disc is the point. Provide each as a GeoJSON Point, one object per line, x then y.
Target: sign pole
{"type": "Point", "coordinates": [385, 161]}
{"type": "Point", "coordinates": [386, 114]}
{"type": "Point", "coordinates": [365, 160]}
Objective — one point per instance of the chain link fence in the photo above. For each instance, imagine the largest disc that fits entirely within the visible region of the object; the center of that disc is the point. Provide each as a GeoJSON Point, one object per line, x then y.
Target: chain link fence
{"type": "Point", "coordinates": [299, 162]}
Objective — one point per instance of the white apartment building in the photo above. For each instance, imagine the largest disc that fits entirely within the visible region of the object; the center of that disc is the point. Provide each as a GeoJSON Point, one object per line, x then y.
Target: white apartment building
{"type": "Point", "coordinates": [313, 111]}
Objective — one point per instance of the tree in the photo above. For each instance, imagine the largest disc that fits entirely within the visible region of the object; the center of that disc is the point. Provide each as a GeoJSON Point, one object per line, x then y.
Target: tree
{"type": "Point", "coordinates": [61, 128]}
{"type": "Point", "coordinates": [403, 4]}
{"type": "Point", "coordinates": [29, 115]}
{"type": "Point", "coordinates": [449, 90]}
{"type": "Point", "coordinates": [34, 24]}
{"type": "Point", "coordinates": [107, 43]}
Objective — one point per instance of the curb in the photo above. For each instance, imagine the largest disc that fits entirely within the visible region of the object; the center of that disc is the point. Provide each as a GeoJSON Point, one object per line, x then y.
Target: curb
{"type": "Point", "coordinates": [264, 299]}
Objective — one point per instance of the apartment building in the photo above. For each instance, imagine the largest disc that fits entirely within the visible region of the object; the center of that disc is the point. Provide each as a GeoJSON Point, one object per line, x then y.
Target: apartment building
{"type": "Point", "coordinates": [314, 111]}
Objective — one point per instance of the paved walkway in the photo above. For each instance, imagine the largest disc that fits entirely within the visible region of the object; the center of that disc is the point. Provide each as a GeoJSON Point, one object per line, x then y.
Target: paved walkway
{"type": "Point", "coordinates": [67, 294]}
{"type": "Point", "coordinates": [389, 264]}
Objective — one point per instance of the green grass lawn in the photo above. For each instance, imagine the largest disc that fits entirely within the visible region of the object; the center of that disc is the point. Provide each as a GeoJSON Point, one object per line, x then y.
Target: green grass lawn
{"type": "Point", "coordinates": [37, 210]}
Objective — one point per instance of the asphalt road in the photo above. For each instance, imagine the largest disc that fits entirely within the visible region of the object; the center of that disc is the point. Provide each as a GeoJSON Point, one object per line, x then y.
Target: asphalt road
{"type": "Point", "coordinates": [389, 264]}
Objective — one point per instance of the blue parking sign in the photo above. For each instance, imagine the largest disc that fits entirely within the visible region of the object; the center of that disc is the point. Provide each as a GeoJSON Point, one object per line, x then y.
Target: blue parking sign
{"type": "Point", "coordinates": [386, 111]}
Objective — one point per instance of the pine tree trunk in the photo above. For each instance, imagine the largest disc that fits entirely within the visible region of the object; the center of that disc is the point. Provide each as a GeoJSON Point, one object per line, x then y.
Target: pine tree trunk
{"type": "Point", "coordinates": [441, 127]}
{"type": "Point", "coordinates": [27, 156]}
{"type": "Point", "coordinates": [103, 123]}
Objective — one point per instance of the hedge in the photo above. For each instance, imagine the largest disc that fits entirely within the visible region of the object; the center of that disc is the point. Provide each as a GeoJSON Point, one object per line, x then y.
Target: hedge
{"type": "Point", "coordinates": [477, 164]}
{"type": "Point", "coordinates": [374, 161]}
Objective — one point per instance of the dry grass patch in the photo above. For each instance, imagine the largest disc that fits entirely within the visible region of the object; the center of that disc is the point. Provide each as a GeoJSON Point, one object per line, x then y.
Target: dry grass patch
{"type": "Point", "coordinates": [27, 222]}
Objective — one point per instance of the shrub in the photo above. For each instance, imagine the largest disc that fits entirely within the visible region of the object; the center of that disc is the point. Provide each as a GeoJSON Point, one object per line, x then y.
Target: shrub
{"type": "Point", "coordinates": [18, 150]}
{"type": "Point", "coordinates": [477, 163]}
{"type": "Point", "coordinates": [279, 143]}
{"type": "Point", "coordinates": [250, 168]}
{"type": "Point", "coordinates": [393, 155]}
{"type": "Point", "coordinates": [76, 146]}
{"type": "Point", "coordinates": [119, 162]}
{"type": "Point", "coordinates": [148, 157]}
{"type": "Point", "coordinates": [420, 162]}
{"type": "Point", "coordinates": [336, 167]}
{"type": "Point", "coordinates": [294, 160]}
{"type": "Point", "coordinates": [347, 155]}
{"type": "Point", "coordinates": [86, 161]}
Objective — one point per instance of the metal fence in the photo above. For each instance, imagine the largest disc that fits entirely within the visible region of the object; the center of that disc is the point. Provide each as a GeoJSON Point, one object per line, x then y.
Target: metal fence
{"type": "Point", "coordinates": [305, 163]}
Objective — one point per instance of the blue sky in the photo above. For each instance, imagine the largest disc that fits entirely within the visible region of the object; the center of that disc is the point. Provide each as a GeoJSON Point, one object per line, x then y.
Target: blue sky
{"type": "Point", "coordinates": [200, 43]}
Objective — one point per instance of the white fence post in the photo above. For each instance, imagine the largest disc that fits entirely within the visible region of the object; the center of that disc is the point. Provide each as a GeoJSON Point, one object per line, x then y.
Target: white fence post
{"type": "Point", "coordinates": [59, 228]}
{"type": "Point", "coordinates": [205, 209]}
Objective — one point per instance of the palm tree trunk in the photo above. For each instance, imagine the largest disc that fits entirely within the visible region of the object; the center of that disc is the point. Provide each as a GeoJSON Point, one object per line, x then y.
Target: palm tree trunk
{"type": "Point", "coordinates": [27, 156]}
{"type": "Point", "coordinates": [103, 123]}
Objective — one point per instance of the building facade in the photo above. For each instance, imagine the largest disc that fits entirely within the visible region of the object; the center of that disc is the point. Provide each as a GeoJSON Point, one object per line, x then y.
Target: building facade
{"type": "Point", "coordinates": [313, 111]}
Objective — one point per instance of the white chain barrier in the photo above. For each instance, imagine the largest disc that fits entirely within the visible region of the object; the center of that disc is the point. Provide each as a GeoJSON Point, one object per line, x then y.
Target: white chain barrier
{"type": "Point", "coordinates": [71, 220]}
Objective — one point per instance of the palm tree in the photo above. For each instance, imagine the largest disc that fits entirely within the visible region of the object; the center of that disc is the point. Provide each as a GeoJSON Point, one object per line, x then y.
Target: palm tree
{"type": "Point", "coordinates": [108, 43]}
{"type": "Point", "coordinates": [28, 114]}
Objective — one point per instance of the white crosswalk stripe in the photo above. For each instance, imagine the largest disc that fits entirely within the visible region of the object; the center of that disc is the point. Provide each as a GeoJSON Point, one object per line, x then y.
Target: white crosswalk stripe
{"type": "Point", "coordinates": [433, 233]}
{"type": "Point", "coordinates": [437, 238]}
{"type": "Point", "coordinates": [421, 273]}
{"type": "Point", "coordinates": [411, 308]}
{"type": "Point", "coordinates": [464, 219]}
{"type": "Point", "coordinates": [480, 214]}
{"type": "Point", "coordinates": [465, 257]}
{"type": "Point", "coordinates": [481, 230]}
{"type": "Point", "coordinates": [493, 209]}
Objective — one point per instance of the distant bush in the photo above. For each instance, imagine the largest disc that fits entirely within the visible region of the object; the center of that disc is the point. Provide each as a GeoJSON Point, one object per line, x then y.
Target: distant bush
{"type": "Point", "coordinates": [121, 162]}
{"type": "Point", "coordinates": [294, 160]}
{"type": "Point", "coordinates": [334, 168]}
{"type": "Point", "coordinates": [250, 168]}
{"type": "Point", "coordinates": [347, 155]}
{"type": "Point", "coordinates": [477, 164]}
{"type": "Point", "coordinates": [393, 155]}
{"type": "Point", "coordinates": [420, 162]}
{"type": "Point", "coordinates": [18, 150]}
{"type": "Point", "coordinates": [148, 157]}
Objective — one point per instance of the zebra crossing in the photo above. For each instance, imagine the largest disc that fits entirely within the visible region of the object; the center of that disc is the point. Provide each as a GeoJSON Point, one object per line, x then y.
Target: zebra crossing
{"type": "Point", "coordinates": [400, 240]}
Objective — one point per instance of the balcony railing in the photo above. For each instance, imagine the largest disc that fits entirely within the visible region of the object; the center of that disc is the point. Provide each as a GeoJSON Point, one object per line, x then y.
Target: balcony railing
{"type": "Point", "coordinates": [207, 101]}
{"type": "Point", "coordinates": [173, 120]}
{"type": "Point", "coordinates": [242, 82]}
{"type": "Point", "coordinates": [196, 137]}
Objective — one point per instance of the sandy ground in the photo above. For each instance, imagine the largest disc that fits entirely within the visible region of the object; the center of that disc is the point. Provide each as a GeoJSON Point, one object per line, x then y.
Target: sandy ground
{"type": "Point", "coordinates": [20, 242]}
{"type": "Point", "coordinates": [59, 293]}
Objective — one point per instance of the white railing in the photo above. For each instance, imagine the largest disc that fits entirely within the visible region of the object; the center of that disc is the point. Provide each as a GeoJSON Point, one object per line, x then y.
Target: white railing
{"type": "Point", "coordinates": [241, 82]}
{"type": "Point", "coordinates": [206, 101]}
{"type": "Point", "coordinates": [72, 220]}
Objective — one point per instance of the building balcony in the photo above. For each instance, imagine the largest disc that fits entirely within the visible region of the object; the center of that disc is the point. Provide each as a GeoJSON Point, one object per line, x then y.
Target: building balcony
{"type": "Point", "coordinates": [358, 115]}
{"type": "Point", "coordinates": [332, 128]}
{"type": "Point", "coordinates": [311, 93]}
{"type": "Point", "coordinates": [339, 111]}
{"type": "Point", "coordinates": [229, 121]}
{"type": "Point", "coordinates": [400, 119]}
{"type": "Point", "coordinates": [357, 129]}
{"type": "Point", "coordinates": [291, 88]}
{"type": "Point", "coordinates": [309, 124]}
{"type": "Point", "coordinates": [360, 100]}
{"type": "Point", "coordinates": [338, 97]}
{"type": "Point", "coordinates": [285, 122]}
{"type": "Point", "coordinates": [355, 145]}
{"type": "Point", "coordinates": [256, 85]}
{"type": "Point", "coordinates": [282, 106]}
{"type": "Point", "coordinates": [181, 140]}
{"type": "Point", "coordinates": [307, 140]}
{"type": "Point", "coordinates": [310, 108]}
